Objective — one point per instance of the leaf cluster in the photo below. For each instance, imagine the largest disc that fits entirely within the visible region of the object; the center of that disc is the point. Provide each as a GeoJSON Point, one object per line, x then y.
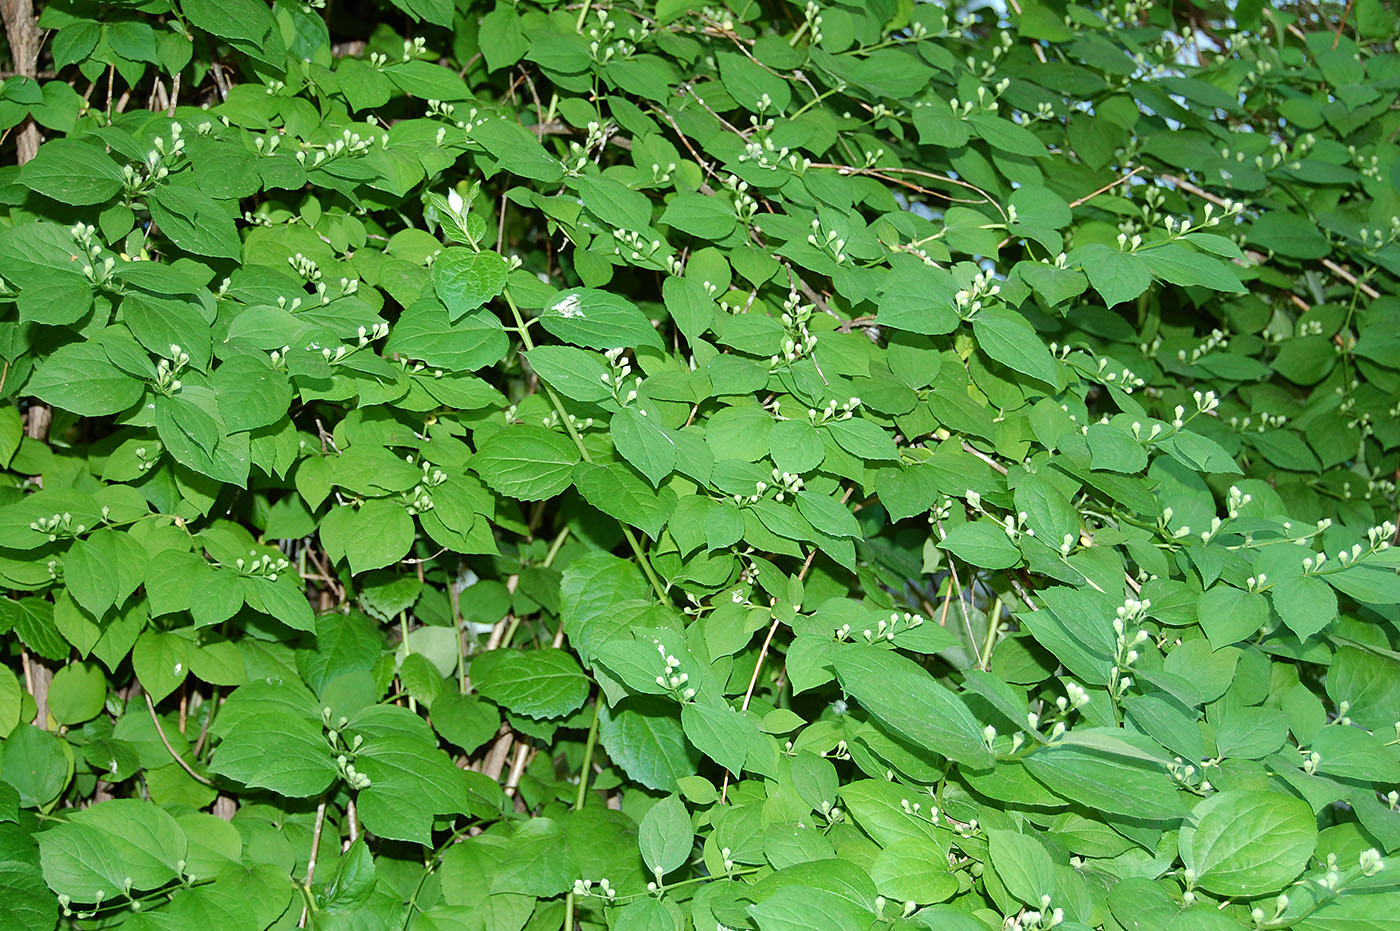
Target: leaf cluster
{"type": "Point", "coordinates": [663, 466]}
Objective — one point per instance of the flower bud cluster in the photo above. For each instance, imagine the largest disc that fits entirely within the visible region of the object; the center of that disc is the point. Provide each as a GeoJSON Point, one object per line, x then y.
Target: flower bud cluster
{"type": "Point", "coordinates": [833, 411]}
{"type": "Point", "coordinates": [583, 888]}
{"type": "Point", "coordinates": [164, 153]}
{"type": "Point", "coordinates": [639, 248]}
{"type": "Point", "coordinates": [829, 241]}
{"type": "Point", "coordinates": [745, 206]}
{"type": "Point", "coordinates": [1187, 775]}
{"type": "Point", "coordinates": [798, 341]}
{"type": "Point", "coordinates": [350, 143]}
{"type": "Point", "coordinates": [671, 680]}
{"type": "Point", "coordinates": [263, 566]}
{"type": "Point", "coordinates": [56, 524]}
{"type": "Point", "coordinates": [969, 300]}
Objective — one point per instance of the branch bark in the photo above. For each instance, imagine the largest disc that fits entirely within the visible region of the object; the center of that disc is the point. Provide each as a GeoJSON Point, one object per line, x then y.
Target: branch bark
{"type": "Point", "coordinates": [22, 31]}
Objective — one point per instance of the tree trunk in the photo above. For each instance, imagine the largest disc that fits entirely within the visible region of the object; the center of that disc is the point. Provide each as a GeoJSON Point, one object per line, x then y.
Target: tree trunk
{"type": "Point", "coordinates": [23, 34]}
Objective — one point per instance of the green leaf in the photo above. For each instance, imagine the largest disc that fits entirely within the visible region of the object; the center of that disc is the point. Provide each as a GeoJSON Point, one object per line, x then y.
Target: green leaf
{"type": "Point", "coordinates": [718, 731]}
{"type": "Point", "coordinates": [1367, 583]}
{"type": "Point", "coordinates": [828, 515]}
{"type": "Point", "coordinates": [540, 683]}
{"type": "Point", "coordinates": [104, 570]}
{"type": "Point", "coordinates": [707, 217]}
{"type": "Point", "coordinates": [72, 171]}
{"type": "Point", "coordinates": [79, 378]}
{"type": "Point", "coordinates": [410, 780]}
{"type": "Point", "coordinates": [1229, 615]}
{"type": "Point", "coordinates": [795, 446]}
{"type": "Point", "coordinates": [1249, 843]}
{"type": "Point", "coordinates": [250, 394]}
{"type": "Point", "coordinates": [464, 280]}
{"type": "Point", "coordinates": [37, 764]}
{"type": "Point", "coordinates": [272, 738]}
{"type": "Point", "coordinates": [437, 12]}
{"type": "Point", "coordinates": [77, 693]}
{"type": "Point", "coordinates": [503, 42]}
{"type": "Point", "coordinates": [644, 443]}
{"type": "Point", "coordinates": [161, 661]}
{"type": "Point", "coordinates": [1007, 136]}
{"type": "Point", "coordinates": [284, 598]}
{"type": "Point", "coordinates": [863, 438]}
{"type": "Point", "coordinates": [1008, 338]}
{"type": "Point", "coordinates": [574, 373]}
{"type": "Point", "coordinates": [910, 870]}
{"type": "Point", "coordinates": [25, 899]}
{"type": "Point", "coordinates": [1117, 276]}
{"type": "Point", "coordinates": [904, 698]}
{"type": "Point", "coordinates": [982, 543]}
{"type": "Point", "coordinates": [614, 203]}
{"type": "Point", "coordinates": [248, 24]}
{"type": "Point", "coordinates": [598, 320]}
{"type": "Point", "coordinates": [1181, 266]}
{"type": "Point", "coordinates": [1117, 785]}
{"type": "Point", "coordinates": [793, 908]}
{"type": "Point", "coordinates": [11, 701]}
{"type": "Point", "coordinates": [919, 299]}
{"type": "Point", "coordinates": [110, 848]}
{"type": "Point", "coordinates": [749, 83]}
{"type": "Point", "coordinates": [527, 462]}
{"type": "Point", "coordinates": [665, 836]}
{"type": "Point", "coordinates": [11, 433]}
{"type": "Point", "coordinates": [382, 533]}
{"type": "Point", "coordinates": [427, 332]}
{"type": "Point", "coordinates": [689, 305]}
{"type": "Point", "coordinates": [1351, 753]}
{"type": "Point", "coordinates": [1023, 865]}
{"type": "Point", "coordinates": [195, 221]}
{"type": "Point", "coordinates": [617, 491]}
{"type": "Point", "coordinates": [516, 148]}
{"type": "Point", "coordinates": [1289, 234]}
{"type": "Point", "coordinates": [644, 738]}
{"type": "Point", "coordinates": [1306, 603]}
{"type": "Point", "coordinates": [1051, 283]}
{"type": "Point", "coordinates": [1114, 449]}
{"type": "Point", "coordinates": [465, 720]}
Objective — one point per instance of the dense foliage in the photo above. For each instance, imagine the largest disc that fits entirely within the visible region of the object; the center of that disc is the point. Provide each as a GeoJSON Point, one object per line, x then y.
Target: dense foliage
{"type": "Point", "coordinates": [853, 465]}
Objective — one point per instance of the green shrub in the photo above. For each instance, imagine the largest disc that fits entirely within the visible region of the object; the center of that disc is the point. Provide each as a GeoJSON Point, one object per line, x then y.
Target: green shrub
{"type": "Point", "coordinates": [663, 466]}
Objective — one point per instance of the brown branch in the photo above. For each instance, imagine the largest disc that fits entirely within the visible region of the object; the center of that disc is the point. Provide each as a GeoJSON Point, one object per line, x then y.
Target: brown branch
{"type": "Point", "coordinates": [22, 32]}
{"type": "Point", "coordinates": [767, 642]}
{"type": "Point", "coordinates": [1351, 279]}
{"type": "Point", "coordinates": [1346, 14]}
{"type": "Point", "coordinates": [884, 173]}
{"type": "Point", "coordinates": [311, 861]}
{"type": "Point", "coordinates": [160, 732]}
{"type": "Point", "coordinates": [1107, 187]}
{"type": "Point", "coordinates": [1192, 189]}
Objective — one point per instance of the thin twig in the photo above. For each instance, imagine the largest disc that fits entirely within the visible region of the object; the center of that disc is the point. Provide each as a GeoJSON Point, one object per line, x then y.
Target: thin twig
{"type": "Point", "coordinates": [311, 862]}
{"type": "Point", "coordinates": [748, 692]}
{"type": "Point", "coordinates": [1107, 187]}
{"type": "Point", "coordinates": [1346, 14]}
{"type": "Point", "coordinates": [204, 727]}
{"type": "Point", "coordinates": [767, 642]}
{"type": "Point", "coordinates": [1039, 53]}
{"type": "Point", "coordinates": [1192, 189]}
{"type": "Point", "coordinates": [884, 174]}
{"type": "Point", "coordinates": [969, 448]}
{"type": "Point", "coordinates": [1351, 279]}
{"type": "Point", "coordinates": [962, 605]}
{"type": "Point", "coordinates": [160, 731]}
